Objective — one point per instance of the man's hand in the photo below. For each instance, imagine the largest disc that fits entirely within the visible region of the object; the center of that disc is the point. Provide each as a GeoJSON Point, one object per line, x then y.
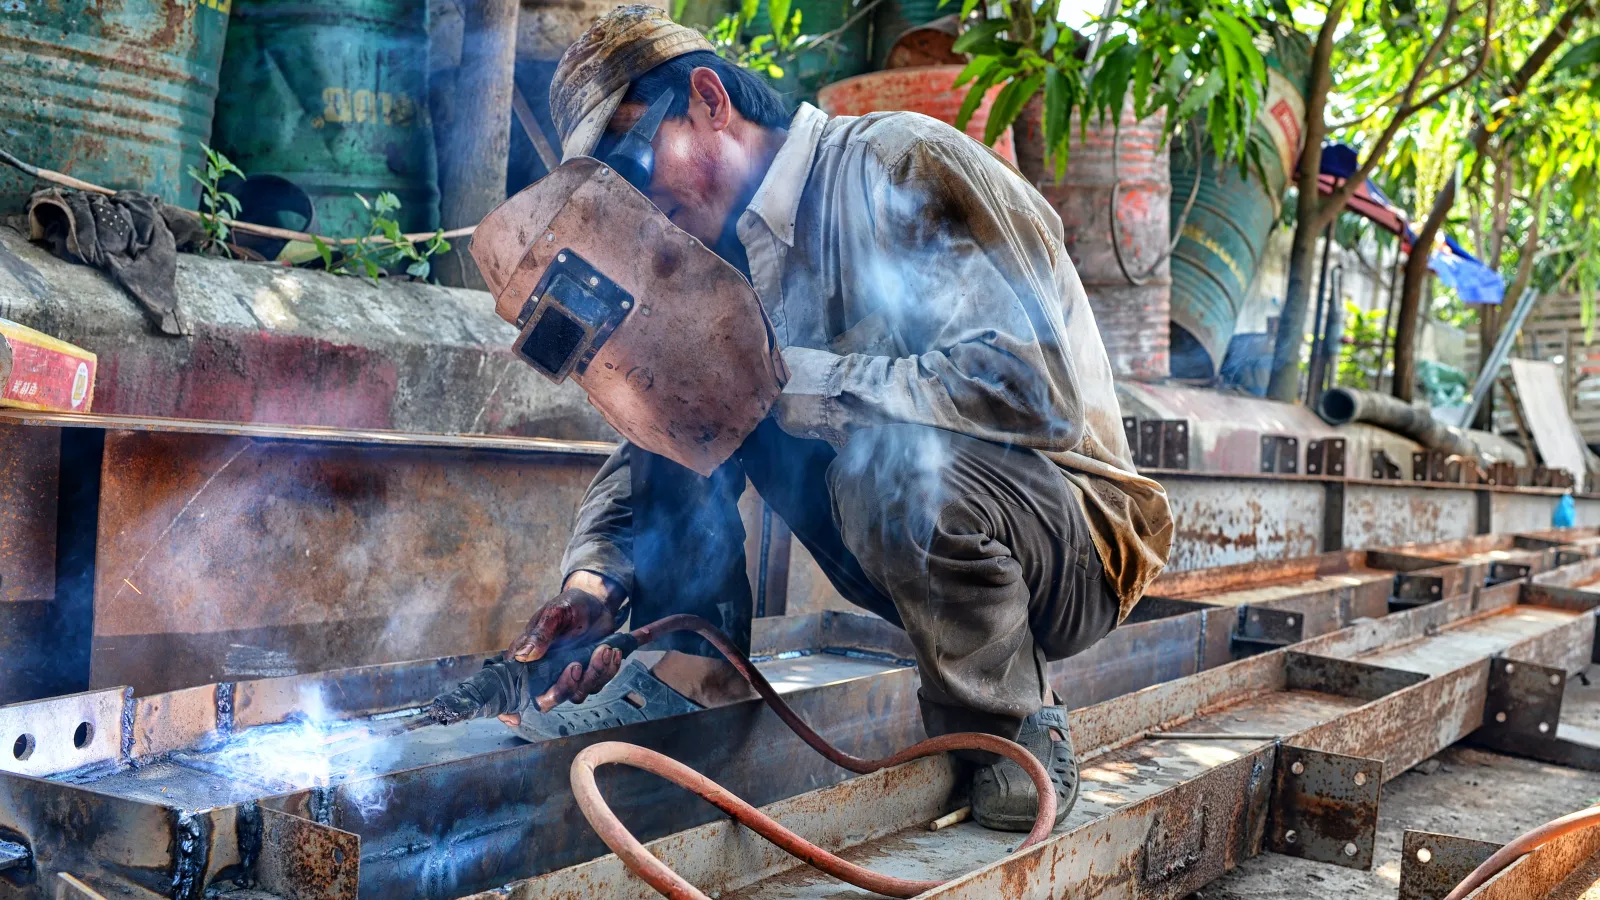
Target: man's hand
{"type": "Point", "coordinates": [577, 615]}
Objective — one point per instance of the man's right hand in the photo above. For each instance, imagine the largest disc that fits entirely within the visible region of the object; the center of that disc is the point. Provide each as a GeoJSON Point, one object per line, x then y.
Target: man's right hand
{"type": "Point", "coordinates": [578, 615]}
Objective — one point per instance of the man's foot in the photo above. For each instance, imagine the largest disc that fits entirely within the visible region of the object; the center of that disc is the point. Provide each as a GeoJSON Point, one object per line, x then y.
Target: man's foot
{"type": "Point", "coordinates": [1003, 796]}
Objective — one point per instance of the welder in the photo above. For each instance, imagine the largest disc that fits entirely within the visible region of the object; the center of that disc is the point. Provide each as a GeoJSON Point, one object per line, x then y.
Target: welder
{"type": "Point", "coordinates": [908, 373]}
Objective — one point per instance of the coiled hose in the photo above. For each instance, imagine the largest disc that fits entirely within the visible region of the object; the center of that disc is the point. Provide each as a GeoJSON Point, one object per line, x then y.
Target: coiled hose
{"type": "Point", "coordinates": [659, 876]}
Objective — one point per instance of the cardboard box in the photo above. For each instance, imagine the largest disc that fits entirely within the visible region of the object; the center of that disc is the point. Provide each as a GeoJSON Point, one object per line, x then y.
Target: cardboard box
{"type": "Point", "coordinates": [38, 371]}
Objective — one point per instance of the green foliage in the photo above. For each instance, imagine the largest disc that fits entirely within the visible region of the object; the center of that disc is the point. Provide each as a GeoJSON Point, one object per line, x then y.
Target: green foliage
{"type": "Point", "coordinates": [219, 206]}
{"type": "Point", "coordinates": [383, 247]}
{"type": "Point", "coordinates": [1186, 57]}
{"type": "Point", "coordinates": [1363, 342]}
{"type": "Point", "coordinates": [765, 54]}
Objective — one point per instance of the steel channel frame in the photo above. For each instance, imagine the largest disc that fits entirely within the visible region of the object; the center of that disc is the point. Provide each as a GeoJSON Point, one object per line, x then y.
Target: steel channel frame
{"type": "Point", "coordinates": [176, 720]}
{"type": "Point", "coordinates": [1153, 821]}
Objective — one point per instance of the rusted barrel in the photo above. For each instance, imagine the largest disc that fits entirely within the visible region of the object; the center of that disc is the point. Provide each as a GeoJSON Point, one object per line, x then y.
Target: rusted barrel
{"type": "Point", "coordinates": [925, 89]}
{"type": "Point", "coordinates": [1225, 235]}
{"type": "Point", "coordinates": [1121, 169]}
{"type": "Point", "coordinates": [333, 97]}
{"type": "Point", "coordinates": [119, 94]}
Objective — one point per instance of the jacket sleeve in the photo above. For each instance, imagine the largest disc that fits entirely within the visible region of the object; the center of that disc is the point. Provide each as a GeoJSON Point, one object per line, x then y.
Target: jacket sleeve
{"type": "Point", "coordinates": [947, 246]}
{"type": "Point", "coordinates": [602, 538]}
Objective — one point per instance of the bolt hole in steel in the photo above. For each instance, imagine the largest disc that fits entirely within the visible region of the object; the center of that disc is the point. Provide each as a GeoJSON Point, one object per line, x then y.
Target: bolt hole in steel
{"type": "Point", "coordinates": [338, 856]}
{"type": "Point", "coordinates": [83, 735]}
{"type": "Point", "coordinates": [1424, 855]}
{"type": "Point", "coordinates": [23, 747]}
{"type": "Point", "coordinates": [1544, 727]}
{"type": "Point", "coordinates": [1555, 679]}
{"type": "Point", "coordinates": [1290, 836]}
{"type": "Point", "coordinates": [1289, 621]}
{"type": "Point", "coordinates": [1499, 717]}
{"type": "Point", "coordinates": [1361, 778]}
{"type": "Point", "coordinates": [1350, 849]}
{"type": "Point", "coordinates": [1510, 668]}
{"type": "Point", "coordinates": [1298, 769]}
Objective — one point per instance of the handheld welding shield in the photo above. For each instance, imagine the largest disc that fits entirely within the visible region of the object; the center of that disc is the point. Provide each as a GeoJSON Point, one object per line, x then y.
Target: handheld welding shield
{"type": "Point", "coordinates": [669, 341]}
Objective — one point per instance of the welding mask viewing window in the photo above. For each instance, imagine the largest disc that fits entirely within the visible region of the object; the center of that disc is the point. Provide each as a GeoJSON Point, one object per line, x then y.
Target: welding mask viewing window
{"type": "Point", "coordinates": [667, 339]}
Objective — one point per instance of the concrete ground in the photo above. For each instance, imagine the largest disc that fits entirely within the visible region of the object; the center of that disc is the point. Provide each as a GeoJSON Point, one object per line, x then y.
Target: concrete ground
{"type": "Point", "coordinates": [1461, 791]}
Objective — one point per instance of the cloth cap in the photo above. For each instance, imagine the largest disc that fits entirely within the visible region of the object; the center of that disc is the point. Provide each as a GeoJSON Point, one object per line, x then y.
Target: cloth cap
{"type": "Point", "coordinates": [594, 73]}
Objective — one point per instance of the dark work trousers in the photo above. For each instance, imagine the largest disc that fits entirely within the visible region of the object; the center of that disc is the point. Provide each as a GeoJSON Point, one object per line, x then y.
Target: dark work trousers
{"type": "Point", "coordinates": [980, 551]}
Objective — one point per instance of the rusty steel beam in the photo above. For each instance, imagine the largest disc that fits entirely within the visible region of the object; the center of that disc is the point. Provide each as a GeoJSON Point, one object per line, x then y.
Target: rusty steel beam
{"type": "Point", "coordinates": [1162, 818]}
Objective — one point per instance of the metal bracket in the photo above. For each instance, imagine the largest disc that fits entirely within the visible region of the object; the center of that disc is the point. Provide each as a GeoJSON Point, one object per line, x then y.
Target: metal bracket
{"type": "Point", "coordinates": [300, 858]}
{"type": "Point", "coordinates": [1431, 865]}
{"type": "Point", "coordinates": [1260, 629]}
{"type": "Point", "coordinates": [1569, 557]}
{"type": "Point", "coordinates": [1523, 702]}
{"type": "Point", "coordinates": [1435, 465]}
{"type": "Point", "coordinates": [1384, 468]}
{"type": "Point", "coordinates": [1502, 572]}
{"type": "Point", "coordinates": [1325, 457]}
{"type": "Point", "coordinates": [1413, 590]}
{"type": "Point", "coordinates": [1503, 474]}
{"type": "Point", "coordinates": [1280, 453]}
{"type": "Point", "coordinates": [1324, 806]}
{"type": "Point", "coordinates": [1160, 443]}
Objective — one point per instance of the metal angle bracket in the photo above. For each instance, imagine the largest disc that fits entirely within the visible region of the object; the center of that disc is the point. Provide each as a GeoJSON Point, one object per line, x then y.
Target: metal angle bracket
{"type": "Point", "coordinates": [1384, 468]}
{"type": "Point", "coordinates": [1522, 715]}
{"type": "Point", "coordinates": [1324, 806]}
{"type": "Point", "coordinates": [1502, 572]}
{"type": "Point", "coordinates": [1431, 865]}
{"type": "Point", "coordinates": [1260, 629]}
{"type": "Point", "coordinates": [1280, 453]}
{"type": "Point", "coordinates": [1158, 443]}
{"type": "Point", "coordinates": [1325, 457]}
{"type": "Point", "coordinates": [1411, 590]}
{"type": "Point", "coordinates": [303, 859]}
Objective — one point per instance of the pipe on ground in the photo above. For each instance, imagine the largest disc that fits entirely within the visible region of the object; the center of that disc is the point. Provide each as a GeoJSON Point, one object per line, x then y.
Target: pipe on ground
{"type": "Point", "coordinates": [1341, 406]}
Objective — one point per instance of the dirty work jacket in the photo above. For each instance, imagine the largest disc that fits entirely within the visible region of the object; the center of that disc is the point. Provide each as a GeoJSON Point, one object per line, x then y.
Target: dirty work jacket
{"type": "Point", "coordinates": [913, 276]}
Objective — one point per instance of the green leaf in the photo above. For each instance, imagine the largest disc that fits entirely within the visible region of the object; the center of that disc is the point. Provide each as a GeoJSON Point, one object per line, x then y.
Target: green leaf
{"type": "Point", "coordinates": [418, 269]}
{"type": "Point", "coordinates": [748, 9]}
{"type": "Point", "coordinates": [778, 12]}
{"type": "Point", "coordinates": [324, 252]}
{"type": "Point", "coordinates": [371, 269]}
{"type": "Point", "coordinates": [1009, 105]}
{"type": "Point", "coordinates": [1198, 97]}
{"type": "Point", "coordinates": [980, 35]}
{"type": "Point", "coordinates": [1051, 34]}
{"type": "Point", "coordinates": [1584, 55]}
{"type": "Point", "coordinates": [390, 229]}
{"type": "Point", "coordinates": [975, 93]}
{"type": "Point", "coordinates": [967, 6]}
{"type": "Point", "coordinates": [364, 202]}
{"type": "Point", "coordinates": [974, 69]}
{"type": "Point", "coordinates": [1057, 110]}
{"type": "Point", "coordinates": [387, 202]}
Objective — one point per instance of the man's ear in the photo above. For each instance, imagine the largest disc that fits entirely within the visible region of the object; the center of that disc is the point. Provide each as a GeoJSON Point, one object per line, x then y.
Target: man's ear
{"type": "Point", "coordinates": [709, 98]}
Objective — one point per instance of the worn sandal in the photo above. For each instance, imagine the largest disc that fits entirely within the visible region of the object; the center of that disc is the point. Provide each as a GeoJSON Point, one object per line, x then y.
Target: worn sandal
{"type": "Point", "coordinates": [1003, 796]}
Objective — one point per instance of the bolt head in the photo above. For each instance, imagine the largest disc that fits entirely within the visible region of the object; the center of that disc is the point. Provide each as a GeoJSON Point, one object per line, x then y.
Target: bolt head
{"type": "Point", "coordinates": [1298, 768]}
{"type": "Point", "coordinates": [1289, 621]}
{"type": "Point", "coordinates": [1290, 837]}
{"type": "Point", "coordinates": [1555, 679]}
{"type": "Point", "coordinates": [1500, 717]}
{"type": "Point", "coordinates": [1361, 778]}
{"type": "Point", "coordinates": [1350, 849]}
{"type": "Point", "coordinates": [593, 281]}
{"type": "Point", "coordinates": [1510, 667]}
{"type": "Point", "coordinates": [561, 257]}
{"type": "Point", "coordinates": [1544, 727]}
{"type": "Point", "coordinates": [1424, 855]}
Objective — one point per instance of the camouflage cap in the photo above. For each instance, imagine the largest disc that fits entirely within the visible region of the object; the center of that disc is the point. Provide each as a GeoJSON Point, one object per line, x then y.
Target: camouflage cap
{"type": "Point", "coordinates": [594, 73]}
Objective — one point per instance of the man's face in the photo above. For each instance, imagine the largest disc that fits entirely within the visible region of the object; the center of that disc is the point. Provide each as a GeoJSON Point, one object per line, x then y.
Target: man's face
{"type": "Point", "coordinates": [701, 164]}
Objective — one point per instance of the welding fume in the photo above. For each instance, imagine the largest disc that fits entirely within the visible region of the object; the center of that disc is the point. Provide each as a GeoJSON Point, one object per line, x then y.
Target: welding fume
{"type": "Point", "coordinates": [870, 321]}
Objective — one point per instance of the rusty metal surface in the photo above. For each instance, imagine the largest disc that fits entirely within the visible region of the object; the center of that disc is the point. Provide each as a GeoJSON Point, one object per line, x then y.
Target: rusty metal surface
{"type": "Point", "coordinates": [1541, 871]}
{"type": "Point", "coordinates": [30, 460]}
{"type": "Point", "coordinates": [1389, 516]}
{"type": "Point", "coordinates": [366, 437]}
{"type": "Point", "coordinates": [301, 860]}
{"type": "Point", "coordinates": [1218, 524]}
{"type": "Point", "coordinates": [1324, 806]}
{"type": "Point", "coordinates": [1431, 864]}
{"type": "Point", "coordinates": [223, 558]}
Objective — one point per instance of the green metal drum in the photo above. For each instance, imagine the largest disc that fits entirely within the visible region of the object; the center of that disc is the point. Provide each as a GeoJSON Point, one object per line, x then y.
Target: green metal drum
{"type": "Point", "coordinates": [118, 93]}
{"type": "Point", "coordinates": [1226, 233]}
{"type": "Point", "coordinates": [333, 96]}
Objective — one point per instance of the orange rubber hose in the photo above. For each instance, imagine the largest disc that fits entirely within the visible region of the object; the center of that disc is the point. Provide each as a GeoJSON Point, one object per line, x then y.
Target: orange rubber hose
{"type": "Point", "coordinates": [670, 884]}
{"type": "Point", "coordinates": [1523, 845]}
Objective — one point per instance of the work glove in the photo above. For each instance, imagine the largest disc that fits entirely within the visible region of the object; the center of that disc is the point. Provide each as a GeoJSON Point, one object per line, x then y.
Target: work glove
{"type": "Point", "coordinates": [574, 616]}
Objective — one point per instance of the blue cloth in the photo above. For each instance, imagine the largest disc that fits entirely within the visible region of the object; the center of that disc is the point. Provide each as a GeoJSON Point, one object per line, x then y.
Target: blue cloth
{"type": "Point", "coordinates": [1566, 515]}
